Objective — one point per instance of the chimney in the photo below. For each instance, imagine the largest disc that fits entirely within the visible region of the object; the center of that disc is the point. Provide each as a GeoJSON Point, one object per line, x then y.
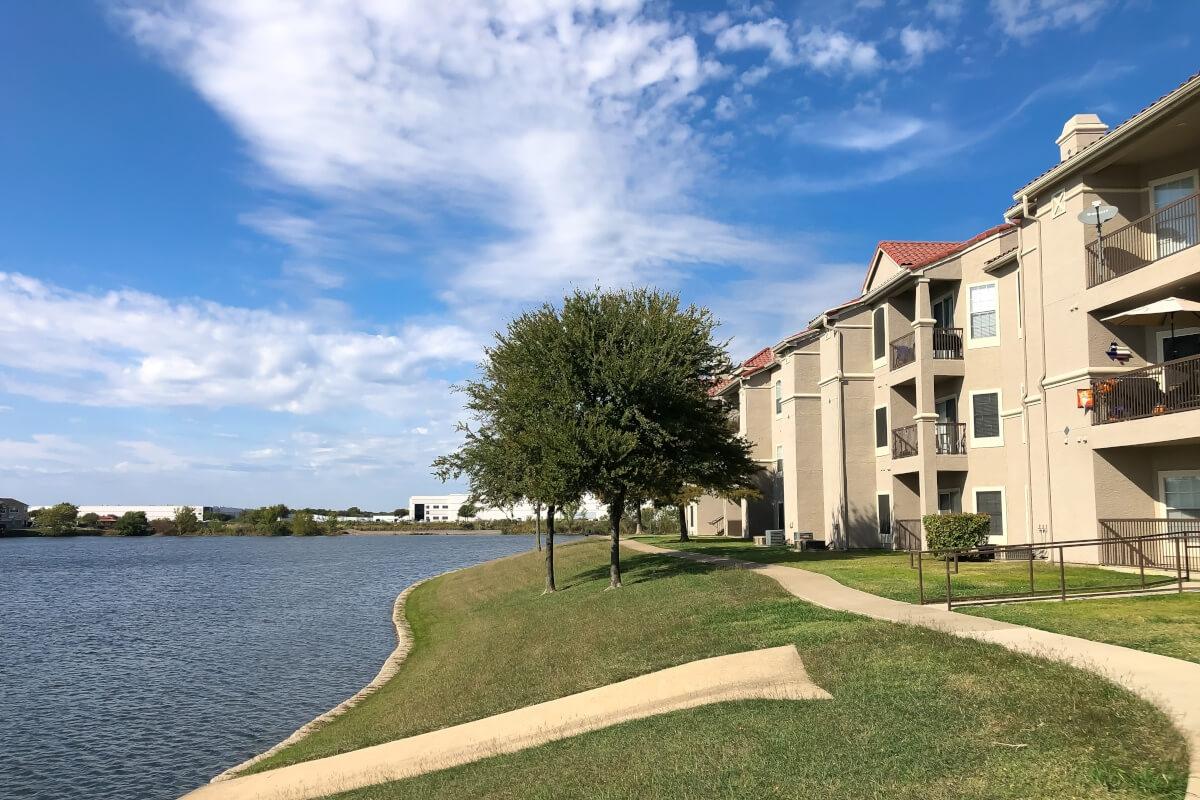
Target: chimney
{"type": "Point", "coordinates": [1080, 131]}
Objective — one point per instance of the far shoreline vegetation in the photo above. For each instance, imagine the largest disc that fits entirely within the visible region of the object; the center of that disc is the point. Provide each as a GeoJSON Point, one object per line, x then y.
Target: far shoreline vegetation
{"type": "Point", "coordinates": [63, 520]}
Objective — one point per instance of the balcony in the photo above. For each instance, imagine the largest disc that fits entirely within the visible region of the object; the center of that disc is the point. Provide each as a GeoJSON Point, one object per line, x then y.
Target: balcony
{"type": "Point", "coordinates": [904, 442]}
{"type": "Point", "coordinates": [947, 344]}
{"type": "Point", "coordinates": [950, 438]}
{"type": "Point", "coordinates": [1147, 392]}
{"type": "Point", "coordinates": [1164, 232]}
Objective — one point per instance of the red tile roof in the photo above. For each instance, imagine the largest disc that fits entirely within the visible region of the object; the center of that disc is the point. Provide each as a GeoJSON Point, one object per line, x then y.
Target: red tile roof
{"type": "Point", "coordinates": [755, 363]}
{"type": "Point", "coordinates": [914, 255]}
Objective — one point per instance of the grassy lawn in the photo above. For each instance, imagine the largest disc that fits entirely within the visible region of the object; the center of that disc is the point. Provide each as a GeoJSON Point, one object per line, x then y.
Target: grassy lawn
{"type": "Point", "coordinates": [887, 573]}
{"type": "Point", "coordinates": [915, 713]}
{"type": "Point", "coordinates": [1165, 624]}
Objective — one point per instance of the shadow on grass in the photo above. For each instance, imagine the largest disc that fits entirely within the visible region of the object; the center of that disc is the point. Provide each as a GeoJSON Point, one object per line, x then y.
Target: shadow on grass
{"type": "Point", "coordinates": [644, 567]}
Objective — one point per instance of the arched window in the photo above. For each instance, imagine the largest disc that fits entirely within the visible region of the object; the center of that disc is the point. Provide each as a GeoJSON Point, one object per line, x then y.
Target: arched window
{"type": "Point", "coordinates": [880, 334]}
{"type": "Point", "coordinates": [778, 397]}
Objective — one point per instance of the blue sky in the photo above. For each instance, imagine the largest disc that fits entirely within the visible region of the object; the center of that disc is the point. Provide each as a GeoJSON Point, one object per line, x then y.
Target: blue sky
{"type": "Point", "coordinates": [245, 248]}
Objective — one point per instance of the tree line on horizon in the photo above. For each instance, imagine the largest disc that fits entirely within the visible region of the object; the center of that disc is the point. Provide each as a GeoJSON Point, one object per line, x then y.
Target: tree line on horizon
{"type": "Point", "coordinates": [605, 395]}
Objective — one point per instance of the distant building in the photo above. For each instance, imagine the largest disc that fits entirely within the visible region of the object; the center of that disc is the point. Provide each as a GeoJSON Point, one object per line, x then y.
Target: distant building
{"type": "Point", "coordinates": [152, 513]}
{"type": "Point", "coordinates": [444, 508]}
{"type": "Point", "coordinates": [14, 515]}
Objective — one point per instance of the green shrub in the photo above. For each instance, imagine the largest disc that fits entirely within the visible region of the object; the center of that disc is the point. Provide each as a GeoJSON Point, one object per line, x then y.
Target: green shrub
{"type": "Point", "coordinates": [133, 523]}
{"type": "Point", "coordinates": [956, 531]}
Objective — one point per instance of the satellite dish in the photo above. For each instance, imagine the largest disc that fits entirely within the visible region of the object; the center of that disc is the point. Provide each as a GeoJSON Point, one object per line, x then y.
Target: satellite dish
{"type": "Point", "coordinates": [1098, 214]}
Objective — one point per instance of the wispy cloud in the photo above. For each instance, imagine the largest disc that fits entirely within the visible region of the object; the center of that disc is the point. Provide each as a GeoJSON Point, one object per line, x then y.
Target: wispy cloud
{"type": "Point", "coordinates": [126, 348]}
{"type": "Point", "coordinates": [566, 129]}
{"type": "Point", "coordinates": [1023, 19]}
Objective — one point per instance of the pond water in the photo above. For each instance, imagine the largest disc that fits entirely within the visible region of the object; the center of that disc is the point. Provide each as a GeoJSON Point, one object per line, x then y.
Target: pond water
{"type": "Point", "coordinates": [140, 668]}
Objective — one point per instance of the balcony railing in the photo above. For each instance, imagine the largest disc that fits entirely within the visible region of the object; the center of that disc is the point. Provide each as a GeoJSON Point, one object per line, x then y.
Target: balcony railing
{"type": "Point", "coordinates": [1142, 242]}
{"type": "Point", "coordinates": [947, 343]}
{"type": "Point", "coordinates": [1147, 392]}
{"type": "Point", "coordinates": [950, 438]}
{"type": "Point", "coordinates": [906, 534]}
{"type": "Point", "coordinates": [904, 441]}
{"type": "Point", "coordinates": [904, 350]}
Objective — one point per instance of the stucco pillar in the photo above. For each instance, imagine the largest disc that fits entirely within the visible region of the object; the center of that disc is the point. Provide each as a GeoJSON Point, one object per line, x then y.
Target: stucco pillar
{"type": "Point", "coordinates": [926, 413]}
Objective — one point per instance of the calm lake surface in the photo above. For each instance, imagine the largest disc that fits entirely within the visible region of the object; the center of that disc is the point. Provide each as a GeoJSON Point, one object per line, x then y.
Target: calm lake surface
{"type": "Point", "coordinates": [140, 668]}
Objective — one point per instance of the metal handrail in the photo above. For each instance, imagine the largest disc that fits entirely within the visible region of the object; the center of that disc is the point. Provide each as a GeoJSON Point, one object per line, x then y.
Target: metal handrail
{"type": "Point", "coordinates": [904, 442]}
{"type": "Point", "coordinates": [904, 350]}
{"type": "Point", "coordinates": [950, 438]}
{"type": "Point", "coordinates": [1141, 243]}
{"type": "Point", "coordinates": [947, 342]}
{"type": "Point", "coordinates": [1147, 391]}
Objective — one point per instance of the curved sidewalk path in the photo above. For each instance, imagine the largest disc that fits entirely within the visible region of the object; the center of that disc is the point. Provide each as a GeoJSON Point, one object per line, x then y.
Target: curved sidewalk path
{"type": "Point", "coordinates": [1169, 683]}
{"type": "Point", "coordinates": [776, 673]}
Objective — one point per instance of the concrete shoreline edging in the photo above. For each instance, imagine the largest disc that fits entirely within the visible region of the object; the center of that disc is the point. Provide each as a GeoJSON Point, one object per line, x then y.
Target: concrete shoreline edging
{"type": "Point", "coordinates": [1170, 684]}
{"type": "Point", "coordinates": [775, 673]}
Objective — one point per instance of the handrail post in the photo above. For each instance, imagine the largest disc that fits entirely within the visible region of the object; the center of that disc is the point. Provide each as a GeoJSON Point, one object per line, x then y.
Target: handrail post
{"type": "Point", "coordinates": [1141, 551]}
{"type": "Point", "coordinates": [1178, 565]}
{"type": "Point", "coordinates": [920, 575]}
{"type": "Point", "coordinates": [949, 597]}
{"type": "Point", "coordinates": [1032, 589]}
{"type": "Point", "coordinates": [1062, 574]}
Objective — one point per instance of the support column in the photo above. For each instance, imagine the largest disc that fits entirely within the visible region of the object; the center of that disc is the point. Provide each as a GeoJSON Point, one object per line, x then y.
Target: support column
{"type": "Point", "coordinates": [926, 412]}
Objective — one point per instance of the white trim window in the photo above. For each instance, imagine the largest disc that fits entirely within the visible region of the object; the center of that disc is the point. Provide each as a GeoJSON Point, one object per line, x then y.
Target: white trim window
{"type": "Point", "coordinates": [987, 426]}
{"type": "Point", "coordinates": [778, 398]}
{"type": "Point", "coordinates": [1171, 236]}
{"type": "Point", "coordinates": [983, 321]}
{"type": "Point", "coordinates": [990, 500]}
{"type": "Point", "coordinates": [1179, 494]}
{"type": "Point", "coordinates": [879, 336]}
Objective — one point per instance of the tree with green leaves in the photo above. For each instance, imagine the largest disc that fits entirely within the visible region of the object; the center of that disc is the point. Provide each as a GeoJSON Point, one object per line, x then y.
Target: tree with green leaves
{"type": "Point", "coordinates": [58, 519]}
{"type": "Point", "coordinates": [467, 510]}
{"type": "Point", "coordinates": [303, 524]}
{"type": "Point", "coordinates": [89, 520]}
{"type": "Point", "coordinates": [186, 521]}
{"type": "Point", "coordinates": [133, 523]}
{"type": "Point", "coordinates": [333, 525]}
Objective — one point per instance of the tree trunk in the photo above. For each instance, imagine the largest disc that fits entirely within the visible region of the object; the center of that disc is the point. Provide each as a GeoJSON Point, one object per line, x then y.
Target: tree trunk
{"type": "Point", "coordinates": [683, 534]}
{"type": "Point", "coordinates": [638, 526]}
{"type": "Point", "coordinates": [537, 522]}
{"type": "Point", "coordinates": [550, 587]}
{"type": "Point", "coordinates": [616, 510]}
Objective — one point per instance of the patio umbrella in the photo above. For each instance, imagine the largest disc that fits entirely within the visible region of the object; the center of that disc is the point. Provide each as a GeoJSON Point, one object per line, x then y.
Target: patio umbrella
{"type": "Point", "coordinates": [1160, 312]}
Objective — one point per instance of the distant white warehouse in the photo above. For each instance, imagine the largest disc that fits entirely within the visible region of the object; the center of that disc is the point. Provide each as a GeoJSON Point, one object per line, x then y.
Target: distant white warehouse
{"type": "Point", "coordinates": [444, 508]}
{"type": "Point", "coordinates": [157, 512]}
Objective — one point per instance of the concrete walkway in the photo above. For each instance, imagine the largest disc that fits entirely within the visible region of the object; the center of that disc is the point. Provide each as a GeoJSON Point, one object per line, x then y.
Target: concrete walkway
{"type": "Point", "coordinates": [1169, 683]}
{"type": "Point", "coordinates": [773, 674]}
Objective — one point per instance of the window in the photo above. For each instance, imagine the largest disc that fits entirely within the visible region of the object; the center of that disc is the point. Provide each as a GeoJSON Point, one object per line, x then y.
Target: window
{"type": "Point", "coordinates": [991, 502]}
{"type": "Point", "coordinates": [985, 427]}
{"type": "Point", "coordinates": [985, 325]}
{"type": "Point", "coordinates": [880, 334]}
{"type": "Point", "coordinates": [881, 431]}
{"type": "Point", "coordinates": [778, 397]}
{"type": "Point", "coordinates": [1171, 230]}
{"type": "Point", "coordinates": [1181, 494]}
{"type": "Point", "coordinates": [779, 458]}
{"type": "Point", "coordinates": [884, 504]}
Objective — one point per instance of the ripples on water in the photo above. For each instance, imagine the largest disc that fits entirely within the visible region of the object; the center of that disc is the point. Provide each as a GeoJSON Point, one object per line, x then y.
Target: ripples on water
{"type": "Point", "coordinates": [140, 668]}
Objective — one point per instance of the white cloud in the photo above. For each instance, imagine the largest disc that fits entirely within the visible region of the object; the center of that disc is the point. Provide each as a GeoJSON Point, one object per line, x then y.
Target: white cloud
{"type": "Point", "coordinates": [3, 409]}
{"type": "Point", "coordinates": [300, 233]}
{"type": "Point", "coordinates": [126, 348]}
{"type": "Point", "coordinates": [863, 128]}
{"type": "Point", "coordinates": [946, 9]}
{"type": "Point", "coordinates": [920, 42]}
{"type": "Point", "coordinates": [564, 127]}
{"type": "Point", "coordinates": [830, 51]}
{"type": "Point", "coordinates": [1023, 19]}
{"type": "Point", "coordinates": [314, 275]}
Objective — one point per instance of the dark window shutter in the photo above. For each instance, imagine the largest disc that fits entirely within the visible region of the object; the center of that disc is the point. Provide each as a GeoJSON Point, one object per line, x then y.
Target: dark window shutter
{"type": "Point", "coordinates": [991, 503]}
{"type": "Point", "coordinates": [986, 408]}
{"type": "Point", "coordinates": [880, 333]}
{"type": "Point", "coordinates": [881, 433]}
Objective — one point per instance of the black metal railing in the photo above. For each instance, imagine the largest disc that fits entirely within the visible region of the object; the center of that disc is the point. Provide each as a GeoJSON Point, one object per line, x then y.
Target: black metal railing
{"type": "Point", "coordinates": [1142, 242]}
{"type": "Point", "coordinates": [1121, 546]}
{"type": "Point", "coordinates": [1161, 553]}
{"type": "Point", "coordinates": [1147, 392]}
{"type": "Point", "coordinates": [947, 343]}
{"type": "Point", "coordinates": [904, 441]}
{"type": "Point", "coordinates": [906, 534]}
{"type": "Point", "coordinates": [904, 350]}
{"type": "Point", "coordinates": [950, 438]}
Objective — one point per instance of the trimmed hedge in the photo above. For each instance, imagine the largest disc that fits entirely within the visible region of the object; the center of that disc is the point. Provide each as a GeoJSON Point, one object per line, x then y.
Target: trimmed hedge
{"type": "Point", "coordinates": [956, 531]}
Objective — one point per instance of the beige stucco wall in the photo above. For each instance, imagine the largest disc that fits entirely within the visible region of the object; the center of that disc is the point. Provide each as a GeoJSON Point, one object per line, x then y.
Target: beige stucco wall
{"type": "Point", "coordinates": [798, 429]}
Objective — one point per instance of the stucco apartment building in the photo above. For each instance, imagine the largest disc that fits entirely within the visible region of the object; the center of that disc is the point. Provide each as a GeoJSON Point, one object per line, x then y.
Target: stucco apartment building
{"type": "Point", "coordinates": [988, 374]}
